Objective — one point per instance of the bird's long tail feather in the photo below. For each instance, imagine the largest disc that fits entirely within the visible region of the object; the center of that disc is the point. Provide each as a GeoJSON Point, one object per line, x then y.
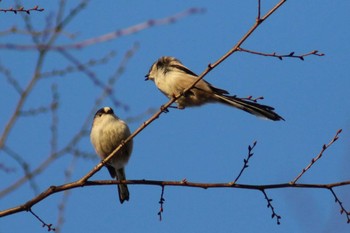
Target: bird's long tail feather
{"type": "Point", "coordinates": [250, 107]}
{"type": "Point", "coordinates": [122, 188]}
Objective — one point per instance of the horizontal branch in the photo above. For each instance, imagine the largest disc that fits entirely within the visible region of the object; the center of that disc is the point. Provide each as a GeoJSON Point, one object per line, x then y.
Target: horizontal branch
{"type": "Point", "coordinates": [281, 56]}
{"type": "Point", "coordinates": [21, 9]}
{"type": "Point", "coordinates": [184, 183]}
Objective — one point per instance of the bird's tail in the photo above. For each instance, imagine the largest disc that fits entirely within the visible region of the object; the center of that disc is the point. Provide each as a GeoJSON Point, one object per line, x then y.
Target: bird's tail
{"type": "Point", "coordinates": [122, 188]}
{"type": "Point", "coordinates": [250, 107]}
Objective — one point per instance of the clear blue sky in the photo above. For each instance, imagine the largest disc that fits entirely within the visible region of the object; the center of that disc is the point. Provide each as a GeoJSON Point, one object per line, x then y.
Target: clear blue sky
{"type": "Point", "coordinates": [205, 144]}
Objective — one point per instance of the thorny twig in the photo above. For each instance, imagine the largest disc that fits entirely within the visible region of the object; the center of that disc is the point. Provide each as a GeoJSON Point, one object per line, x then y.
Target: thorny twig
{"type": "Point", "coordinates": [313, 161]}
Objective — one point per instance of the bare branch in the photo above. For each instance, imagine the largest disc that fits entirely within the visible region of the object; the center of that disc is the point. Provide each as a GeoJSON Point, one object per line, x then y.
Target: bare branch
{"type": "Point", "coordinates": [161, 202]}
{"type": "Point", "coordinates": [281, 56]}
{"type": "Point", "coordinates": [313, 161]}
{"type": "Point", "coordinates": [245, 161]}
{"type": "Point", "coordinates": [81, 183]}
{"type": "Point", "coordinates": [270, 206]}
{"type": "Point", "coordinates": [21, 9]}
{"type": "Point", "coordinates": [49, 226]}
{"type": "Point", "coordinates": [342, 209]}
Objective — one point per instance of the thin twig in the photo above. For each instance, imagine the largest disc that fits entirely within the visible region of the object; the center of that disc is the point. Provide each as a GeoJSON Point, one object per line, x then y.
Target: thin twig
{"type": "Point", "coordinates": [161, 202]}
{"type": "Point", "coordinates": [21, 9]}
{"type": "Point", "coordinates": [270, 206]}
{"type": "Point", "coordinates": [259, 10]}
{"type": "Point", "coordinates": [49, 226]}
{"type": "Point", "coordinates": [314, 160]}
{"type": "Point", "coordinates": [281, 56]}
{"type": "Point", "coordinates": [245, 161]}
{"type": "Point", "coordinates": [342, 209]}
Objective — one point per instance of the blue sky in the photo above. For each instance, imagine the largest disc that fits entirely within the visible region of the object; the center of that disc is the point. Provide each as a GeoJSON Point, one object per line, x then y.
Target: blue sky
{"type": "Point", "coordinates": [206, 144]}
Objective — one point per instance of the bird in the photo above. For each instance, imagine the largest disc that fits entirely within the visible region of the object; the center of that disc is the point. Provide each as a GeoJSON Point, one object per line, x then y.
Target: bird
{"type": "Point", "coordinates": [107, 133]}
{"type": "Point", "coordinates": [171, 77]}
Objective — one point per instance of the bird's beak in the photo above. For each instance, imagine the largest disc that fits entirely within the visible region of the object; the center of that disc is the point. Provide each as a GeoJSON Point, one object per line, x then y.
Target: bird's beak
{"type": "Point", "coordinates": [146, 77]}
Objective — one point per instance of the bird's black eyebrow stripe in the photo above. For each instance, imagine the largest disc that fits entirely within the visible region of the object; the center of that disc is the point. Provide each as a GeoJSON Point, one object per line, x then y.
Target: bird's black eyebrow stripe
{"type": "Point", "coordinates": [102, 111]}
{"type": "Point", "coordinates": [184, 69]}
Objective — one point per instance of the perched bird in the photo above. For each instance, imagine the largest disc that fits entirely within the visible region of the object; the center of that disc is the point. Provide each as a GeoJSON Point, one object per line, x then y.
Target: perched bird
{"type": "Point", "coordinates": [172, 78]}
{"type": "Point", "coordinates": [107, 132]}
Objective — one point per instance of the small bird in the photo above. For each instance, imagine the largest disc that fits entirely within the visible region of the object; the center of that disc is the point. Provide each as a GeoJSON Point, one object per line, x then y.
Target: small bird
{"type": "Point", "coordinates": [172, 78]}
{"type": "Point", "coordinates": [107, 132]}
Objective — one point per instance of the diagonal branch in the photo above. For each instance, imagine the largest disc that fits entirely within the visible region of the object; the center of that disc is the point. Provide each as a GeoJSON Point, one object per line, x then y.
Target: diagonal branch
{"type": "Point", "coordinates": [314, 160]}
